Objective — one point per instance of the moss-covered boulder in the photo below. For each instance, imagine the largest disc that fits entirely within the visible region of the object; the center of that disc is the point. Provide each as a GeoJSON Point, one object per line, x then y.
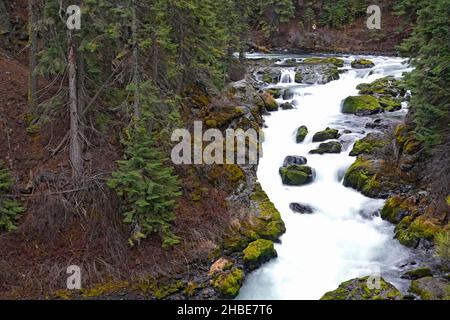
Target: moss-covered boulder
{"type": "Point", "coordinates": [258, 252]}
{"type": "Point", "coordinates": [396, 208]}
{"type": "Point", "coordinates": [430, 288]}
{"type": "Point", "coordinates": [387, 86]}
{"type": "Point", "coordinates": [298, 77]}
{"type": "Point", "coordinates": [326, 134]}
{"type": "Point", "coordinates": [229, 283]}
{"type": "Point", "coordinates": [362, 177]}
{"type": "Point", "coordinates": [368, 145]}
{"type": "Point", "coordinates": [271, 76]}
{"type": "Point", "coordinates": [417, 273]}
{"type": "Point", "coordinates": [275, 92]}
{"type": "Point", "coordinates": [302, 132]}
{"type": "Point", "coordinates": [362, 64]}
{"type": "Point", "coordinates": [331, 60]}
{"type": "Point", "coordinates": [411, 230]}
{"type": "Point", "coordinates": [359, 289]}
{"type": "Point", "coordinates": [269, 102]}
{"type": "Point", "coordinates": [328, 147]}
{"type": "Point", "coordinates": [287, 106]}
{"type": "Point", "coordinates": [389, 104]}
{"type": "Point", "coordinates": [361, 105]}
{"type": "Point", "coordinates": [295, 175]}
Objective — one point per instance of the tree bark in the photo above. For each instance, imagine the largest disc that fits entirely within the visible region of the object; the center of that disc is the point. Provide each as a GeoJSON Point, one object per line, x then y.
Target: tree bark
{"type": "Point", "coordinates": [75, 150]}
{"type": "Point", "coordinates": [32, 89]}
{"type": "Point", "coordinates": [136, 76]}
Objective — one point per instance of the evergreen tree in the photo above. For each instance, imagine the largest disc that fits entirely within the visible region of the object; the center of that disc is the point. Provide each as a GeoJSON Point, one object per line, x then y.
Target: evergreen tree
{"type": "Point", "coordinates": [10, 209]}
{"type": "Point", "coordinates": [429, 47]}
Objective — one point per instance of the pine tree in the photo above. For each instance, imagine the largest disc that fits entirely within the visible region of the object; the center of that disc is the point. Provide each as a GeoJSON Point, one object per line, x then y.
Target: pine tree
{"type": "Point", "coordinates": [10, 209]}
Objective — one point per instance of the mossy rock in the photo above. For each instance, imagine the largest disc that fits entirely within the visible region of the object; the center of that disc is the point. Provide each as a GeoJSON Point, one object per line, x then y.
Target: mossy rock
{"type": "Point", "coordinates": [362, 64]}
{"type": "Point", "coordinates": [229, 283]}
{"type": "Point", "coordinates": [328, 147]}
{"type": "Point", "coordinates": [302, 132]}
{"type": "Point", "coordinates": [404, 136]}
{"type": "Point", "coordinates": [326, 134]}
{"type": "Point", "coordinates": [288, 94]}
{"type": "Point", "coordinates": [387, 86]}
{"type": "Point", "coordinates": [389, 104]}
{"type": "Point", "coordinates": [396, 208]}
{"type": "Point", "coordinates": [258, 252]}
{"type": "Point", "coordinates": [335, 61]}
{"type": "Point", "coordinates": [358, 289]}
{"type": "Point", "coordinates": [287, 106]}
{"type": "Point", "coordinates": [269, 102]}
{"type": "Point", "coordinates": [361, 105]}
{"type": "Point", "coordinates": [271, 76]}
{"type": "Point", "coordinates": [296, 175]}
{"type": "Point", "coordinates": [298, 77]}
{"type": "Point", "coordinates": [368, 145]}
{"type": "Point", "coordinates": [231, 174]}
{"type": "Point", "coordinates": [361, 177]}
{"type": "Point", "coordinates": [417, 273]}
{"type": "Point", "coordinates": [332, 74]}
{"type": "Point", "coordinates": [275, 92]}
{"type": "Point", "coordinates": [410, 231]}
{"type": "Point", "coordinates": [429, 288]}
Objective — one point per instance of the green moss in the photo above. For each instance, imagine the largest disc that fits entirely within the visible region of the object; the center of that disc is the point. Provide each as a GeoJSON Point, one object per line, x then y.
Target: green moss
{"type": "Point", "coordinates": [161, 290]}
{"type": "Point", "coordinates": [326, 134]}
{"type": "Point", "coordinates": [361, 105]}
{"type": "Point", "coordinates": [269, 102]}
{"type": "Point", "coordinates": [231, 173]}
{"type": "Point", "coordinates": [302, 132]}
{"type": "Point", "coordinates": [367, 145]}
{"type": "Point", "coordinates": [109, 287]}
{"type": "Point", "coordinates": [387, 86]}
{"type": "Point", "coordinates": [190, 289]}
{"type": "Point", "coordinates": [358, 289]}
{"type": "Point", "coordinates": [389, 104]}
{"type": "Point", "coordinates": [391, 209]}
{"type": "Point", "coordinates": [315, 60]}
{"type": "Point", "coordinates": [296, 175]}
{"type": "Point", "coordinates": [410, 231]}
{"type": "Point", "coordinates": [298, 77]}
{"type": "Point", "coordinates": [418, 273]}
{"type": "Point", "coordinates": [258, 252]}
{"type": "Point", "coordinates": [33, 129]}
{"type": "Point", "coordinates": [229, 284]}
{"type": "Point", "coordinates": [362, 64]}
{"type": "Point", "coordinates": [360, 177]}
{"type": "Point", "coordinates": [429, 288]}
{"type": "Point", "coordinates": [328, 147]}
{"type": "Point", "coordinates": [275, 92]}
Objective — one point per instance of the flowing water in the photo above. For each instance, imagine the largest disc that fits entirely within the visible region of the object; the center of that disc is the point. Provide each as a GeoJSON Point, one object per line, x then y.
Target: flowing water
{"type": "Point", "coordinates": [344, 238]}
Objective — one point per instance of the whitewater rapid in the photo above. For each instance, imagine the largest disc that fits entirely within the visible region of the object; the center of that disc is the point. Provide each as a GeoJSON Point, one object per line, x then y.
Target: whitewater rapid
{"type": "Point", "coordinates": [343, 239]}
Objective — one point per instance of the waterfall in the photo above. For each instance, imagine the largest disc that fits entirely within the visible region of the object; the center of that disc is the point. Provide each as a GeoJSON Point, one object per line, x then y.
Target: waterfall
{"type": "Point", "coordinates": [344, 238]}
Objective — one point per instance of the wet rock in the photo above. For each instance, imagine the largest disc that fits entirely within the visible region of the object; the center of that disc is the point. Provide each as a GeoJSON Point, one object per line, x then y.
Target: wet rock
{"type": "Point", "coordinates": [429, 288]}
{"type": "Point", "coordinates": [326, 134]}
{"type": "Point", "coordinates": [362, 64]}
{"type": "Point", "coordinates": [301, 208]}
{"type": "Point", "coordinates": [258, 252]}
{"type": "Point", "coordinates": [358, 289]}
{"type": "Point", "coordinates": [288, 94]}
{"type": "Point", "coordinates": [361, 105]}
{"type": "Point", "coordinates": [368, 144]}
{"type": "Point", "coordinates": [295, 175]}
{"type": "Point", "coordinates": [287, 106]}
{"type": "Point", "coordinates": [289, 160]}
{"type": "Point", "coordinates": [387, 86]}
{"type": "Point", "coordinates": [328, 147]}
{"type": "Point", "coordinates": [229, 283]}
{"type": "Point", "coordinates": [302, 132]}
{"type": "Point", "coordinates": [269, 102]}
{"type": "Point", "coordinates": [417, 274]}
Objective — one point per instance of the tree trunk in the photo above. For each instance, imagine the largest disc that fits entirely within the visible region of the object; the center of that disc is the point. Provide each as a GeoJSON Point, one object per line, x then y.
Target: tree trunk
{"type": "Point", "coordinates": [32, 89]}
{"type": "Point", "coordinates": [75, 150]}
{"type": "Point", "coordinates": [136, 77]}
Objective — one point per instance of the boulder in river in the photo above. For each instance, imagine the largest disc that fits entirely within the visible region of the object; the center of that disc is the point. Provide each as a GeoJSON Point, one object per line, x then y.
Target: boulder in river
{"type": "Point", "coordinates": [302, 132]}
{"type": "Point", "coordinates": [288, 94]}
{"type": "Point", "coordinates": [258, 252]}
{"type": "Point", "coordinates": [269, 102]}
{"type": "Point", "coordinates": [296, 175]}
{"type": "Point", "coordinates": [368, 144]}
{"type": "Point", "coordinates": [299, 160]}
{"type": "Point", "coordinates": [331, 60]}
{"type": "Point", "coordinates": [431, 288]}
{"type": "Point", "coordinates": [326, 134]}
{"type": "Point", "coordinates": [287, 106]}
{"type": "Point", "coordinates": [417, 274]}
{"type": "Point", "coordinates": [361, 105]}
{"type": "Point", "coordinates": [359, 289]}
{"type": "Point", "coordinates": [362, 64]}
{"type": "Point", "coordinates": [301, 208]}
{"type": "Point", "coordinates": [328, 147]}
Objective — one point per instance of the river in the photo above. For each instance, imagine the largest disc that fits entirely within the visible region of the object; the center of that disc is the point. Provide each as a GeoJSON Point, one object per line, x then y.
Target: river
{"type": "Point", "coordinates": [344, 238]}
